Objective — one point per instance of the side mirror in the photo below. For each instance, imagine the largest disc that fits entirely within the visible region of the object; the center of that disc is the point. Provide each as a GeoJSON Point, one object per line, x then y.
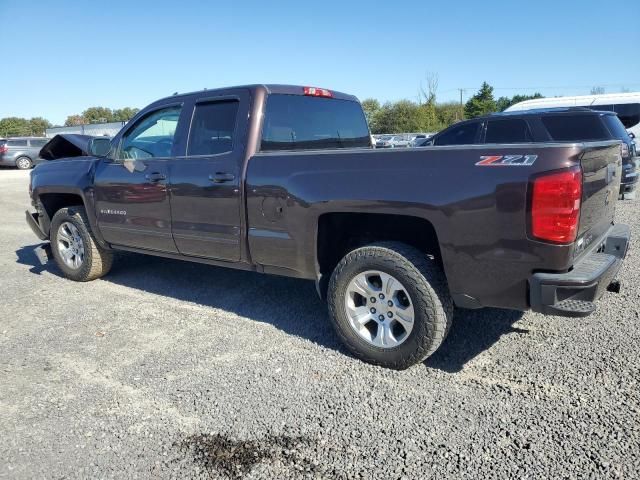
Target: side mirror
{"type": "Point", "coordinates": [99, 146]}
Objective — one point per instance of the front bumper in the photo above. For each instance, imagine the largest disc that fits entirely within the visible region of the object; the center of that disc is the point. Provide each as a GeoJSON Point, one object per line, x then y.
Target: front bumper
{"type": "Point", "coordinates": [572, 294]}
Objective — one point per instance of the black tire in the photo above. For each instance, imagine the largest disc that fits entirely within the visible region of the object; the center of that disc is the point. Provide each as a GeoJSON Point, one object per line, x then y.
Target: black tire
{"type": "Point", "coordinates": [24, 163]}
{"type": "Point", "coordinates": [427, 287]}
{"type": "Point", "coordinates": [96, 262]}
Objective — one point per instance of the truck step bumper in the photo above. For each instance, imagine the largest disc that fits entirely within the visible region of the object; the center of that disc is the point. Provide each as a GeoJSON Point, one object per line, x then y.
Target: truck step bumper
{"type": "Point", "coordinates": [572, 294]}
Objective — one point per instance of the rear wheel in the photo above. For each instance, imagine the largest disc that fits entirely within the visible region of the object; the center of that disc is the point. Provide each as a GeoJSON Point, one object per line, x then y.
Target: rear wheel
{"type": "Point", "coordinates": [74, 247]}
{"type": "Point", "coordinates": [24, 163]}
{"type": "Point", "coordinates": [390, 304]}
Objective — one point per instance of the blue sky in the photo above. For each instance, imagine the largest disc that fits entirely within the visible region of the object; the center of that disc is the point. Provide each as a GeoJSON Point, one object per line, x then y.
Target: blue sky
{"type": "Point", "coordinates": [64, 56]}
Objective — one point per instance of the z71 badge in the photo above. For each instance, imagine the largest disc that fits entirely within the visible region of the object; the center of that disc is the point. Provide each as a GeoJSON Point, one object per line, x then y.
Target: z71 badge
{"type": "Point", "coordinates": [507, 160]}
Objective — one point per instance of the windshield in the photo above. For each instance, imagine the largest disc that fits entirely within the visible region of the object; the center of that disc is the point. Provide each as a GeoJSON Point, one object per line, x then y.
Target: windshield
{"type": "Point", "coordinates": [296, 122]}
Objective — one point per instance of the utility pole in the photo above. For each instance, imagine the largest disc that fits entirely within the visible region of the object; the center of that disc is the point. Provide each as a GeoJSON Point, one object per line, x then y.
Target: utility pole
{"type": "Point", "coordinates": [461, 90]}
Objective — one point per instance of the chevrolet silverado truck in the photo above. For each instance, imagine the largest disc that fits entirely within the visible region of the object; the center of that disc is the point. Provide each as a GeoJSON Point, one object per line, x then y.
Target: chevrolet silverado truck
{"type": "Point", "coordinates": [284, 180]}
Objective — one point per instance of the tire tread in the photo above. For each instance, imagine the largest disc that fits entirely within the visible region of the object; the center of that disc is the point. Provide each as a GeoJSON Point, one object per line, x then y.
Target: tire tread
{"type": "Point", "coordinates": [433, 298]}
{"type": "Point", "coordinates": [100, 260]}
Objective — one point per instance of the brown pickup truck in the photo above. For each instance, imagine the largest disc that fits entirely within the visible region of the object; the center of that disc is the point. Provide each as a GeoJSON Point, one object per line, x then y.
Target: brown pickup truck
{"type": "Point", "coordinates": [284, 180]}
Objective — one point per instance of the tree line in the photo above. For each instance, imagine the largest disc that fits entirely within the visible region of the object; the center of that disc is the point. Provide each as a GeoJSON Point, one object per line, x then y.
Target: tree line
{"type": "Point", "coordinates": [22, 127]}
{"type": "Point", "coordinates": [428, 115]}
{"type": "Point", "coordinates": [101, 115]}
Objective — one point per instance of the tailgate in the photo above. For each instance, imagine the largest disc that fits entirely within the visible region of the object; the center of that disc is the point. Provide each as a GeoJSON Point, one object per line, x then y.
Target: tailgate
{"type": "Point", "coordinates": [602, 170]}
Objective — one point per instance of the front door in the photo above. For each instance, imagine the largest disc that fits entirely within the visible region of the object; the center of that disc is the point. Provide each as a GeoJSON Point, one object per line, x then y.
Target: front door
{"type": "Point", "coordinates": [205, 184]}
{"type": "Point", "coordinates": [132, 195]}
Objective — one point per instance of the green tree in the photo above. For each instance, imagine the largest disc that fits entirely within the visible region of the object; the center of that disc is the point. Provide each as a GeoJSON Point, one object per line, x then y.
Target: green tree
{"type": "Point", "coordinates": [38, 125]}
{"type": "Point", "coordinates": [371, 107]}
{"type": "Point", "coordinates": [481, 103]}
{"type": "Point", "coordinates": [447, 113]}
{"type": "Point", "coordinates": [14, 127]}
{"type": "Point", "coordinates": [98, 115]}
{"type": "Point", "coordinates": [124, 114]}
{"type": "Point", "coordinates": [505, 102]}
{"type": "Point", "coordinates": [402, 116]}
{"type": "Point", "coordinates": [73, 120]}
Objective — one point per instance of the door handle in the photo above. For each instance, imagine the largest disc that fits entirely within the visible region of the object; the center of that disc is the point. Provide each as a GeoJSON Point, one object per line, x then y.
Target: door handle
{"type": "Point", "coordinates": [221, 177]}
{"type": "Point", "coordinates": [155, 176]}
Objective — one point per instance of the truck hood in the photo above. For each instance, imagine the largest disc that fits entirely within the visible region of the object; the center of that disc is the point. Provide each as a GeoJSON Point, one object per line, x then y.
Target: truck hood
{"type": "Point", "coordinates": [66, 145]}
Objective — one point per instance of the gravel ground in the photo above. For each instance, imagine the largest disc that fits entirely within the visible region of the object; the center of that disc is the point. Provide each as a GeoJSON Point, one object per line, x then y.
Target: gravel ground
{"type": "Point", "coordinates": [166, 369]}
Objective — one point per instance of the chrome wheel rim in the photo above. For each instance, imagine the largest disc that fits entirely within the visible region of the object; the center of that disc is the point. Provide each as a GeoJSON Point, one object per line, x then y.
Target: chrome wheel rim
{"type": "Point", "coordinates": [70, 245]}
{"type": "Point", "coordinates": [379, 309]}
{"type": "Point", "coordinates": [23, 163]}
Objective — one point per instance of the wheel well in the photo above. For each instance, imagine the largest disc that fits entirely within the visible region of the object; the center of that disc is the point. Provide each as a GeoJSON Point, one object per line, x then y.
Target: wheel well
{"type": "Point", "coordinates": [339, 233]}
{"type": "Point", "coordinates": [52, 202]}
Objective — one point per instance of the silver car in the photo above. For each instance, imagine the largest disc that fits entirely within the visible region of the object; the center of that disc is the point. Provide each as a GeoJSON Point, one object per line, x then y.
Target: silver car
{"type": "Point", "coordinates": [21, 152]}
{"type": "Point", "coordinates": [392, 141]}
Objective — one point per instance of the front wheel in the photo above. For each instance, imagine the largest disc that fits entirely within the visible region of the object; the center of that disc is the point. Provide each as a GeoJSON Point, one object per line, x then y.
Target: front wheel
{"type": "Point", "coordinates": [74, 248]}
{"type": "Point", "coordinates": [390, 304]}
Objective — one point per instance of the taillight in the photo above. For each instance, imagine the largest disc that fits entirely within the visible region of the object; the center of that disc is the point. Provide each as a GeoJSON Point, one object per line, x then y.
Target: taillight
{"type": "Point", "coordinates": [624, 150]}
{"type": "Point", "coordinates": [317, 92]}
{"type": "Point", "coordinates": [4, 148]}
{"type": "Point", "coordinates": [555, 206]}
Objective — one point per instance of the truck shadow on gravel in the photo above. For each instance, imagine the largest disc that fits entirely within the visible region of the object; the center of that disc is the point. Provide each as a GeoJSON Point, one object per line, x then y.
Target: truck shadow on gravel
{"type": "Point", "coordinates": [288, 304]}
{"type": "Point", "coordinates": [473, 332]}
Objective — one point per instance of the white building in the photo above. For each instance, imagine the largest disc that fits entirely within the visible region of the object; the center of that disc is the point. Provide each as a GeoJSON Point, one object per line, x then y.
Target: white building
{"type": "Point", "coordinates": [94, 129]}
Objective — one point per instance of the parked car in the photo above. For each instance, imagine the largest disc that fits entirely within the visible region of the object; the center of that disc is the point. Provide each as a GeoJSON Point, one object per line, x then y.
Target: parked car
{"type": "Point", "coordinates": [21, 152]}
{"type": "Point", "coordinates": [574, 124]}
{"type": "Point", "coordinates": [384, 141]}
{"type": "Point", "coordinates": [420, 142]}
{"type": "Point", "coordinates": [282, 179]}
{"type": "Point", "coordinates": [401, 141]}
{"type": "Point", "coordinates": [393, 141]}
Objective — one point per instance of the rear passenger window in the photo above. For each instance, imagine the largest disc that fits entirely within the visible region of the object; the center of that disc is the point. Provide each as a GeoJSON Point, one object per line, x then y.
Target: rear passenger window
{"type": "Point", "coordinates": [462, 135]}
{"type": "Point", "coordinates": [39, 143]}
{"type": "Point", "coordinates": [507, 131]}
{"type": "Point", "coordinates": [17, 143]}
{"type": "Point", "coordinates": [575, 128]}
{"type": "Point", "coordinates": [212, 128]}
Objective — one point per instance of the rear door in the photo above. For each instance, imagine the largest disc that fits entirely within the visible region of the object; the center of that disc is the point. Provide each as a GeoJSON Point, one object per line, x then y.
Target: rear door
{"type": "Point", "coordinates": [132, 196]}
{"type": "Point", "coordinates": [205, 183]}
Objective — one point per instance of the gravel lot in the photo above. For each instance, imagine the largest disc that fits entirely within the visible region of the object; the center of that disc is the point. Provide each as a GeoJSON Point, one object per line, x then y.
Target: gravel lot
{"type": "Point", "coordinates": [166, 369]}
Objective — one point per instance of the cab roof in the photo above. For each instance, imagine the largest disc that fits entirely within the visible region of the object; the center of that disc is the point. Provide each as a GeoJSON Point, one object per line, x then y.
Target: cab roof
{"type": "Point", "coordinates": [272, 88]}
